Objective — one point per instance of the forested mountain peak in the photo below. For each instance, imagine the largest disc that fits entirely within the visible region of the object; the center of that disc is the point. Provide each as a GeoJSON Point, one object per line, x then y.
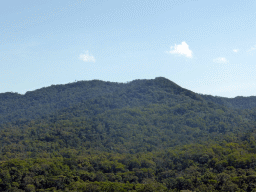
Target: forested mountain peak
{"type": "Point", "coordinates": [144, 135]}
{"type": "Point", "coordinates": [48, 100]}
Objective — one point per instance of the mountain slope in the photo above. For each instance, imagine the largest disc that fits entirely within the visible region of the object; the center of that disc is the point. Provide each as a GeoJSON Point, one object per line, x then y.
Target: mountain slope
{"type": "Point", "coordinates": [48, 100]}
{"type": "Point", "coordinates": [146, 135]}
{"type": "Point", "coordinates": [141, 116]}
{"type": "Point", "coordinates": [237, 102]}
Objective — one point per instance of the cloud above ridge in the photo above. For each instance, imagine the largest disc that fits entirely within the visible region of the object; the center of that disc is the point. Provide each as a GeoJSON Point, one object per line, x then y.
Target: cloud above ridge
{"type": "Point", "coordinates": [252, 48]}
{"type": "Point", "coordinates": [220, 60]}
{"type": "Point", "coordinates": [182, 49]}
{"type": "Point", "coordinates": [86, 57]}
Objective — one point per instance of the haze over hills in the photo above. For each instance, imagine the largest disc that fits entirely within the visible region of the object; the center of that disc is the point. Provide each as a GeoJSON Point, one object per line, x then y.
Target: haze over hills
{"type": "Point", "coordinates": [145, 135]}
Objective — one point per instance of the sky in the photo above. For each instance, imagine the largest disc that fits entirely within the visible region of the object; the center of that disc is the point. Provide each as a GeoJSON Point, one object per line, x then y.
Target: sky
{"type": "Point", "coordinates": [208, 47]}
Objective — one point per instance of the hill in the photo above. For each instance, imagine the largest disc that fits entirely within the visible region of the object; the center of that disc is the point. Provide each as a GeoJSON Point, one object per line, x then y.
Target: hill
{"type": "Point", "coordinates": [49, 100]}
{"type": "Point", "coordinates": [145, 135]}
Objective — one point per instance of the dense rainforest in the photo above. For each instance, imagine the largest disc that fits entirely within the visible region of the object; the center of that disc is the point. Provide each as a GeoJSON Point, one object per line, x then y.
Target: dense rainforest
{"type": "Point", "coordinates": [144, 135]}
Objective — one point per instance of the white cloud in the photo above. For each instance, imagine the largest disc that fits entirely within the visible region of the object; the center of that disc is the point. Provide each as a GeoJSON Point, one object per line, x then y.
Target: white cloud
{"type": "Point", "coordinates": [252, 49]}
{"type": "Point", "coordinates": [235, 50]}
{"type": "Point", "coordinates": [220, 60]}
{"type": "Point", "coordinates": [86, 57]}
{"type": "Point", "coordinates": [181, 49]}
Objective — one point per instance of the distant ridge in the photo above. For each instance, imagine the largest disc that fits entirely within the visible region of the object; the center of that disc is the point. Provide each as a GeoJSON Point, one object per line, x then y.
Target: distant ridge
{"type": "Point", "coordinates": [48, 100]}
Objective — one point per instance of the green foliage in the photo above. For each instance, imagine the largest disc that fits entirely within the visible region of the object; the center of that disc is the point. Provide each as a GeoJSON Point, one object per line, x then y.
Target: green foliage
{"type": "Point", "coordinates": [146, 135]}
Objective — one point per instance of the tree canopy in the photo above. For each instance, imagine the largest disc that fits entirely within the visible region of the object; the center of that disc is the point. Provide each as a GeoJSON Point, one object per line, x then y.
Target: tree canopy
{"type": "Point", "coordinates": [145, 135]}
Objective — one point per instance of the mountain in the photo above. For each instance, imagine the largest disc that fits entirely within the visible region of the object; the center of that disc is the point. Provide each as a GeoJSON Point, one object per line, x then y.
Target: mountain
{"type": "Point", "coordinates": [49, 100]}
{"type": "Point", "coordinates": [236, 103]}
{"type": "Point", "coordinates": [145, 135]}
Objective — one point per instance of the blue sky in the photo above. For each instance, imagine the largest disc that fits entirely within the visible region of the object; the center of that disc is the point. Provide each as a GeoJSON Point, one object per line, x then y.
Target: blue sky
{"type": "Point", "coordinates": [208, 47]}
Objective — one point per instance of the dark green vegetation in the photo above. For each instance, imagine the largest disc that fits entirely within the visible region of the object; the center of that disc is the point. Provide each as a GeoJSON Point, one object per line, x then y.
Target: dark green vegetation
{"type": "Point", "coordinates": [146, 135]}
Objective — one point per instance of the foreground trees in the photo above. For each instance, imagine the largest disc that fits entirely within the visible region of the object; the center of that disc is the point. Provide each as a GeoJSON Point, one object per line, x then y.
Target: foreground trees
{"type": "Point", "coordinates": [226, 167]}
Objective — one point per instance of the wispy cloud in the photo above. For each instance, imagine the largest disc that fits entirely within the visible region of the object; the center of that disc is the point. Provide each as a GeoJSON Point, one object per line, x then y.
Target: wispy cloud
{"type": "Point", "coordinates": [235, 50]}
{"type": "Point", "coordinates": [252, 49]}
{"type": "Point", "coordinates": [86, 57]}
{"type": "Point", "coordinates": [220, 60]}
{"type": "Point", "coordinates": [182, 49]}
